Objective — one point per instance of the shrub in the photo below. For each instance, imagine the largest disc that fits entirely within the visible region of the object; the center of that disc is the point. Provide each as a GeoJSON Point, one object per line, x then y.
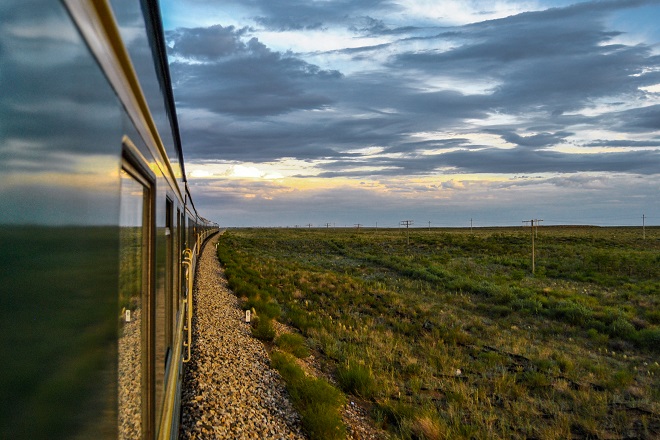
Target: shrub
{"type": "Point", "coordinates": [394, 414]}
{"type": "Point", "coordinates": [317, 401]}
{"type": "Point", "coordinates": [527, 305]}
{"type": "Point", "coordinates": [620, 379]}
{"type": "Point", "coordinates": [649, 338]}
{"type": "Point", "coordinates": [287, 368]}
{"type": "Point", "coordinates": [294, 344]}
{"type": "Point", "coordinates": [429, 427]}
{"type": "Point", "coordinates": [536, 380]}
{"type": "Point", "coordinates": [653, 316]}
{"type": "Point", "coordinates": [564, 363]}
{"type": "Point", "coordinates": [312, 391]}
{"type": "Point", "coordinates": [262, 329]}
{"type": "Point", "coordinates": [323, 422]}
{"type": "Point", "coordinates": [269, 309]}
{"type": "Point", "coordinates": [622, 327]}
{"type": "Point", "coordinates": [357, 379]}
{"type": "Point", "coordinates": [300, 319]}
{"type": "Point", "coordinates": [571, 312]}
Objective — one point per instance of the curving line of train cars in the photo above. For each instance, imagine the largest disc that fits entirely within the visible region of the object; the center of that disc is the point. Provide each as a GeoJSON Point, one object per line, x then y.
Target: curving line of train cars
{"type": "Point", "coordinates": [98, 231]}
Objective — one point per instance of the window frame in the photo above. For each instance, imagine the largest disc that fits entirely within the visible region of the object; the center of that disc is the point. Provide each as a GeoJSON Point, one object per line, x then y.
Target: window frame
{"type": "Point", "coordinates": [136, 165]}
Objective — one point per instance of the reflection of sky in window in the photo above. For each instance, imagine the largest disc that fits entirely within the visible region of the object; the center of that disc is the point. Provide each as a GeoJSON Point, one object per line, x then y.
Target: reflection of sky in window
{"type": "Point", "coordinates": [60, 122]}
{"type": "Point", "coordinates": [132, 199]}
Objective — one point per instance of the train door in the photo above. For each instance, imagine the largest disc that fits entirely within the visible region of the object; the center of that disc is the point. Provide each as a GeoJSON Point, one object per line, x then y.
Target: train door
{"type": "Point", "coordinates": [136, 396]}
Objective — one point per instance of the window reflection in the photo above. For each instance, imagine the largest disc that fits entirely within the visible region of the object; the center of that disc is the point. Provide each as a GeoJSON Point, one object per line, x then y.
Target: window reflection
{"type": "Point", "coordinates": [131, 283]}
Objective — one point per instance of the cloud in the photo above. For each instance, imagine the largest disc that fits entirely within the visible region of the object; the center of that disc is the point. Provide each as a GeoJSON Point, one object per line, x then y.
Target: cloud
{"type": "Point", "coordinates": [522, 160]}
{"type": "Point", "coordinates": [539, 140]}
{"type": "Point", "coordinates": [301, 14]}
{"type": "Point", "coordinates": [600, 198]}
{"type": "Point", "coordinates": [504, 89]}
{"type": "Point", "coordinates": [554, 61]}
{"type": "Point", "coordinates": [241, 78]}
{"type": "Point", "coordinates": [206, 44]}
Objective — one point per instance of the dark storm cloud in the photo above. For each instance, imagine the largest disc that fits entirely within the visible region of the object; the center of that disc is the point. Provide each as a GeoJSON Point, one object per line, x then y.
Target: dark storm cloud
{"type": "Point", "coordinates": [554, 60]}
{"type": "Point", "coordinates": [640, 120]}
{"type": "Point", "coordinates": [535, 141]}
{"type": "Point", "coordinates": [207, 44]}
{"type": "Point", "coordinates": [523, 160]}
{"type": "Point", "coordinates": [625, 144]}
{"type": "Point", "coordinates": [510, 161]}
{"type": "Point", "coordinates": [242, 78]}
{"type": "Point", "coordinates": [435, 144]}
{"type": "Point", "coordinates": [270, 141]}
{"type": "Point", "coordinates": [302, 14]}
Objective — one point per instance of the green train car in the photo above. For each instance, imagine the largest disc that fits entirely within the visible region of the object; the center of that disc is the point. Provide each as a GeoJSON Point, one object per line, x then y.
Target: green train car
{"type": "Point", "coordinates": [98, 231]}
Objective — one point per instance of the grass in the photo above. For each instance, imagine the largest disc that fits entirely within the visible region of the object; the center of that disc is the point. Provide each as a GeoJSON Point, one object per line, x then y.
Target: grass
{"type": "Point", "coordinates": [356, 379]}
{"type": "Point", "coordinates": [571, 351]}
{"type": "Point", "coordinates": [316, 400]}
{"type": "Point", "coordinates": [293, 343]}
{"type": "Point", "coordinates": [262, 329]}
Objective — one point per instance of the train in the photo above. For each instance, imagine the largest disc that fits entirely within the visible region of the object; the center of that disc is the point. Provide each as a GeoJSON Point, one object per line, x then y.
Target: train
{"type": "Point", "coordinates": [99, 233]}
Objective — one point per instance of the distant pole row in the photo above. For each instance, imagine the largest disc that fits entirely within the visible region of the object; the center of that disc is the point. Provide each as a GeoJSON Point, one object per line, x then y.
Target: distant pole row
{"type": "Point", "coordinates": [534, 223]}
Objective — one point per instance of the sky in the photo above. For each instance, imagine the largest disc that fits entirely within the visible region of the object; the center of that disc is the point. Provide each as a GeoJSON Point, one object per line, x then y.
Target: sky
{"type": "Point", "coordinates": [446, 113]}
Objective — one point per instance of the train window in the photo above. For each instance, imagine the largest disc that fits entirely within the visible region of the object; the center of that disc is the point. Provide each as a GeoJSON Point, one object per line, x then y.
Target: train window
{"type": "Point", "coordinates": [184, 245]}
{"type": "Point", "coordinates": [191, 233]}
{"type": "Point", "coordinates": [179, 250]}
{"type": "Point", "coordinates": [135, 352]}
{"type": "Point", "coordinates": [169, 273]}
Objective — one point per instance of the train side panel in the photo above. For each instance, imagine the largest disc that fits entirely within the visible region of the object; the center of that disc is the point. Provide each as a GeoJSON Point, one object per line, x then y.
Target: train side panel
{"type": "Point", "coordinates": [59, 207]}
{"type": "Point", "coordinates": [94, 218]}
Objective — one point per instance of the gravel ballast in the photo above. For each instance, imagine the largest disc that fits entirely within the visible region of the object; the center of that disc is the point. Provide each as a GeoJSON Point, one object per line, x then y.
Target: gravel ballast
{"type": "Point", "coordinates": [229, 390]}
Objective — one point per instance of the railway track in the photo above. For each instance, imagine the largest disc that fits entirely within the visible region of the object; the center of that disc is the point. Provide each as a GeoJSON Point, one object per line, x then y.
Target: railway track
{"type": "Point", "coordinates": [229, 389]}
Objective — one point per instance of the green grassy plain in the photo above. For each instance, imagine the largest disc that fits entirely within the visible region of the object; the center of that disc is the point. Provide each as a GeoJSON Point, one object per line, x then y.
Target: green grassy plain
{"type": "Point", "coordinates": [452, 336]}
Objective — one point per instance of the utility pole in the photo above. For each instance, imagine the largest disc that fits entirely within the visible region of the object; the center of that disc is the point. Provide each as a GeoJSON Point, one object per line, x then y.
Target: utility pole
{"type": "Point", "coordinates": [536, 231]}
{"type": "Point", "coordinates": [644, 226]}
{"type": "Point", "coordinates": [357, 225]}
{"type": "Point", "coordinates": [532, 222]}
{"type": "Point", "coordinates": [470, 226]}
{"type": "Point", "coordinates": [407, 224]}
{"type": "Point", "coordinates": [309, 225]}
{"type": "Point", "coordinates": [429, 225]}
{"type": "Point", "coordinates": [327, 225]}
